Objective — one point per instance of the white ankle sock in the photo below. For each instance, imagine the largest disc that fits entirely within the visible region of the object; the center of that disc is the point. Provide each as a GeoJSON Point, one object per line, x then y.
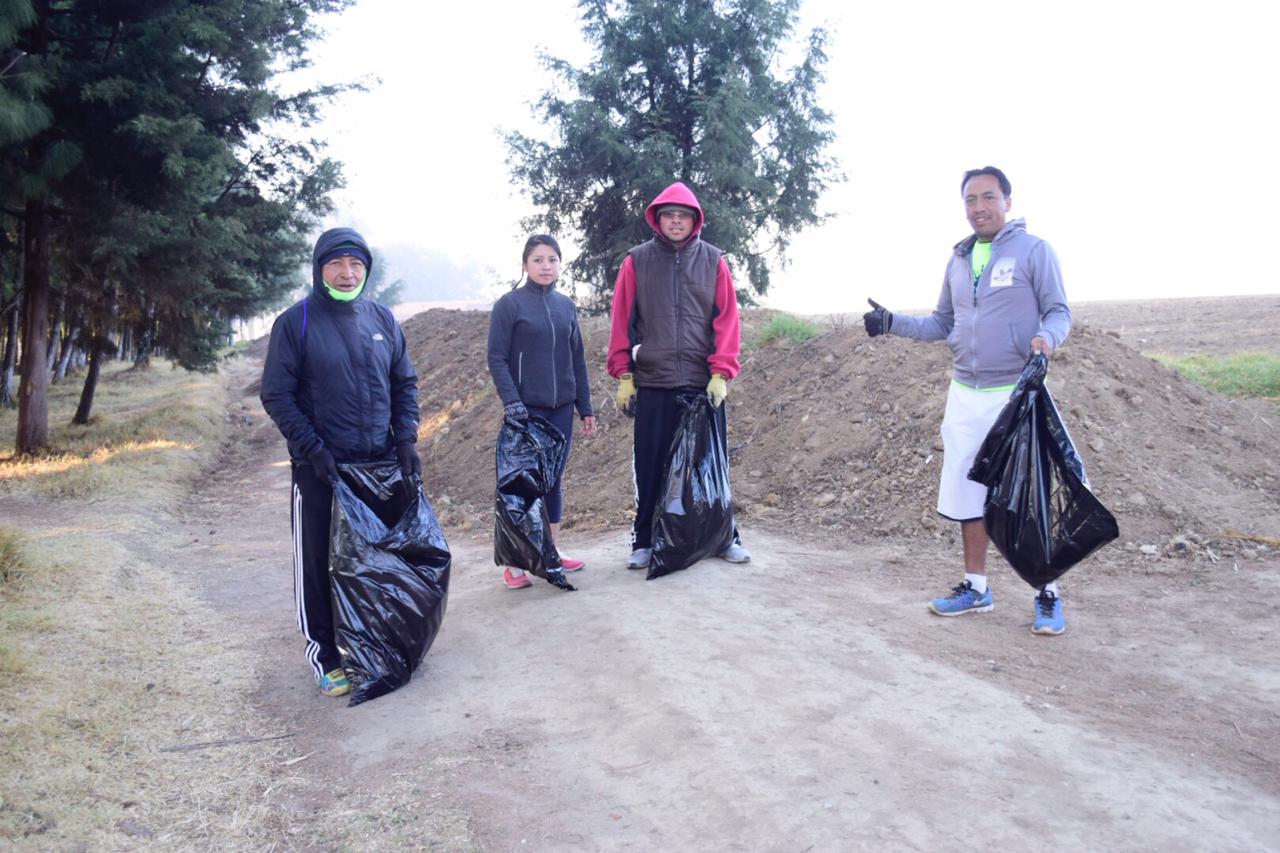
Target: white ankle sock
{"type": "Point", "coordinates": [515, 573]}
{"type": "Point", "coordinates": [979, 582]}
{"type": "Point", "coordinates": [1051, 587]}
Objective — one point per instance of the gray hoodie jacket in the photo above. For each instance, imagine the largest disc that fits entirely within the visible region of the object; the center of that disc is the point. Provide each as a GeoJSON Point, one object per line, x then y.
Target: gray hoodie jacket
{"type": "Point", "coordinates": [989, 327]}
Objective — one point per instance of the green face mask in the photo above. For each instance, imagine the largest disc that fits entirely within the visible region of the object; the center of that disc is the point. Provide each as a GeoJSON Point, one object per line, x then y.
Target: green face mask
{"type": "Point", "coordinates": [345, 297]}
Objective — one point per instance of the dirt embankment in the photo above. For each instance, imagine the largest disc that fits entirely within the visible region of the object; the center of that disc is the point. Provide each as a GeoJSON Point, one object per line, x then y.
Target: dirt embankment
{"type": "Point", "coordinates": [837, 439]}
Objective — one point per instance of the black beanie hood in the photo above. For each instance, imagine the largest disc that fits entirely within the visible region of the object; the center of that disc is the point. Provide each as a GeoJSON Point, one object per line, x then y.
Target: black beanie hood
{"type": "Point", "coordinates": [330, 240]}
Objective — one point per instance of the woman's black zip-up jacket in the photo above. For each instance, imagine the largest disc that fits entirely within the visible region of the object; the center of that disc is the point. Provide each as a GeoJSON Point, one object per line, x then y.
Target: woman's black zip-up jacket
{"type": "Point", "coordinates": [535, 349]}
{"type": "Point", "coordinates": [338, 374]}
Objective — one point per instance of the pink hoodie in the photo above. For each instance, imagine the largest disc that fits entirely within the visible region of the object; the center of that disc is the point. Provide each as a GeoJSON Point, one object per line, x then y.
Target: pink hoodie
{"type": "Point", "coordinates": [677, 193]}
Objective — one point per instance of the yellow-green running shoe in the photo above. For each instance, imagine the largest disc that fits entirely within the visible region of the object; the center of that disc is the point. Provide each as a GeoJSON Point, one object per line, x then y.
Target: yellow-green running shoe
{"type": "Point", "coordinates": [334, 683]}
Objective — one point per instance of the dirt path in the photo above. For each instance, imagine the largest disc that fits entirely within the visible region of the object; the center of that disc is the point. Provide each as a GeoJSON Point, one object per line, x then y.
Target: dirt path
{"type": "Point", "coordinates": [804, 701]}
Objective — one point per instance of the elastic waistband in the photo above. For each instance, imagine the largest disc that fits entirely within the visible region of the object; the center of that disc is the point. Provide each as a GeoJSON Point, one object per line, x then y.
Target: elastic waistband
{"type": "Point", "coordinates": [1004, 389]}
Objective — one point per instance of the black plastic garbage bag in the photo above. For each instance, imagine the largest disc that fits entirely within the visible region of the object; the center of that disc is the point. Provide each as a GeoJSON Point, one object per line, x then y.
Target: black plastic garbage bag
{"type": "Point", "coordinates": [694, 516]}
{"type": "Point", "coordinates": [528, 457]}
{"type": "Point", "coordinates": [389, 572]}
{"type": "Point", "coordinates": [1040, 512]}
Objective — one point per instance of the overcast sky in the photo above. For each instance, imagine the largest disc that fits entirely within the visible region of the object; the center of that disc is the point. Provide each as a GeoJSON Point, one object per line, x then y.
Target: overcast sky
{"type": "Point", "coordinates": [1138, 137]}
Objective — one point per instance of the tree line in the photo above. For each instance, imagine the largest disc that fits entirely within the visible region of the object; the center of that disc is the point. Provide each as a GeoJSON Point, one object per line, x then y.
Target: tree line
{"type": "Point", "coordinates": [155, 182]}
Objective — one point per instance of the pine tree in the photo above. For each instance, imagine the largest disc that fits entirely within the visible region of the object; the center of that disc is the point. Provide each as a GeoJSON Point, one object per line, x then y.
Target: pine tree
{"type": "Point", "coordinates": [152, 175]}
{"type": "Point", "coordinates": [683, 90]}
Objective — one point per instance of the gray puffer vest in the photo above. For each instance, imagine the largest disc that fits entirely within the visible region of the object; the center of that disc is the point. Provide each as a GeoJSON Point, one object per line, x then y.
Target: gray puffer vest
{"type": "Point", "coordinates": [671, 317]}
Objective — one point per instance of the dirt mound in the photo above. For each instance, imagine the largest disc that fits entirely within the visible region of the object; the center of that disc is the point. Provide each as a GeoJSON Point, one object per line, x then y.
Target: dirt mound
{"type": "Point", "coordinates": [838, 438]}
{"type": "Point", "coordinates": [257, 348]}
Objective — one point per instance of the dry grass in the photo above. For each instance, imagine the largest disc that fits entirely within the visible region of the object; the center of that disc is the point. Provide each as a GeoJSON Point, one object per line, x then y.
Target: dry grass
{"type": "Point", "coordinates": [11, 557]}
{"type": "Point", "coordinates": [99, 687]}
{"type": "Point", "coordinates": [147, 426]}
{"type": "Point", "coordinates": [107, 655]}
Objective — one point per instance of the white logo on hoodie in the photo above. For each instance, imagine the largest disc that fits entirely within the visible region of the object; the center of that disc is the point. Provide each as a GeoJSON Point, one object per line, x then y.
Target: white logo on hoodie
{"type": "Point", "coordinates": [1002, 272]}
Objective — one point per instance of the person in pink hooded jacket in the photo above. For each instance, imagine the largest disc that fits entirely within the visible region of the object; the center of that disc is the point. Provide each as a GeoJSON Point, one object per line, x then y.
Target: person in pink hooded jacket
{"type": "Point", "coordinates": [675, 327]}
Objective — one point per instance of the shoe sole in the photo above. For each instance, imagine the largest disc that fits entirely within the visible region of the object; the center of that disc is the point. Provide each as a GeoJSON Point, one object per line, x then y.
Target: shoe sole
{"type": "Point", "coordinates": [984, 609]}
{"type": "Point", "coordinates": [1052, 632]}
{"type": "Point", "coordinates": [637, 568]}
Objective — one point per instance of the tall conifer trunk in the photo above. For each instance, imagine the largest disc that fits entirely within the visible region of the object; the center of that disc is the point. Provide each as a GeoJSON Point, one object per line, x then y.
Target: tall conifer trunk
{"type": "Point", "coordinates": [97, 348]}
{"type": "Point", "coordinates": [9, 362]}
{"type": "Point", "coordinates": [33, 402]}
{"type": "Point", "coordinates": [64, 357]}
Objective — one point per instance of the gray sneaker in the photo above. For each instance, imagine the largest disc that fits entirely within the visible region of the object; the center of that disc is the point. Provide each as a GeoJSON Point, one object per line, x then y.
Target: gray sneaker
{"type": "Point", "coordinates": [735, 553]}
{"type": "Point", "coordinates": [639, 558]}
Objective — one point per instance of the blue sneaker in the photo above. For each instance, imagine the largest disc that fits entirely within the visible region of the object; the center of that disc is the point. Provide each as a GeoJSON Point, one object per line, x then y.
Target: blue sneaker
{"type": "Point", "coordinates": [963, 599]}
{"type": "Point", "coordinates": [1048, 614]}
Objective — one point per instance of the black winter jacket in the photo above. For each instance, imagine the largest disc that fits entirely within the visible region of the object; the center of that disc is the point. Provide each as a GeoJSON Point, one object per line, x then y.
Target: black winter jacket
{"type": "Point", "coordinates": [338, 374]}
{"type": "Point", "coordinates": [535, 349]}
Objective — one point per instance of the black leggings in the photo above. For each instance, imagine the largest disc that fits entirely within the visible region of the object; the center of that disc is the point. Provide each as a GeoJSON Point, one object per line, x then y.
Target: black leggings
{"type": "Point", "coordinates": [562, 418]}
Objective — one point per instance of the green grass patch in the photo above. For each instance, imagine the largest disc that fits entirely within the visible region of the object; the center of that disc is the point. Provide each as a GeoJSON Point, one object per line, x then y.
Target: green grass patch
{"type": "Point", "coordinates": [1241, 374]}
{"type": "Point", "coordinates": [789, 327]}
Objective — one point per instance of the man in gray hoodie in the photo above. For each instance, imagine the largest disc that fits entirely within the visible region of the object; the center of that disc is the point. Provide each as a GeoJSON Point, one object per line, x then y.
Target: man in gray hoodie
{"type": "Point", "coordinates": [1002, 300]}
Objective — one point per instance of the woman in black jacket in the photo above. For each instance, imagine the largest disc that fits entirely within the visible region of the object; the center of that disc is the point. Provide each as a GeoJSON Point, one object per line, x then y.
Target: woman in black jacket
{"type": "Point", "coordinates": [539, 366]}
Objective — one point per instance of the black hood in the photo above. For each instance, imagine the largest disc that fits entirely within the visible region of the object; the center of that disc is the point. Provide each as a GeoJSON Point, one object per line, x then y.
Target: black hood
{"type": "Point", "coordinates": [328, 240]}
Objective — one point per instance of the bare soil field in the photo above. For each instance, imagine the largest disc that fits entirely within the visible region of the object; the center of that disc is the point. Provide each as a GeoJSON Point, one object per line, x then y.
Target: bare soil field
{"type": "Point", "coordinates": [1210, 325]}
{"type": "Point", "coordinates": [806, 700]}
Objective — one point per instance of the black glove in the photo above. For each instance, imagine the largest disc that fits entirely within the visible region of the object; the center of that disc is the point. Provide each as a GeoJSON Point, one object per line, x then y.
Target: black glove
{"type": "Point", "coordinates": [877, 322]}
{"type": "Point", "coordinates": [322, 460]}
{"type": "Point", "coordinates": [515, 412]}
{"type": "Point", "coordinates": [410, 464]}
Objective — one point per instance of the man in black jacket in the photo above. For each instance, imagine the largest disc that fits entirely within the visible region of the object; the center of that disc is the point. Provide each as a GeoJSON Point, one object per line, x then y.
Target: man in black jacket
{"type": "Point", "coordinates": [339, 384]}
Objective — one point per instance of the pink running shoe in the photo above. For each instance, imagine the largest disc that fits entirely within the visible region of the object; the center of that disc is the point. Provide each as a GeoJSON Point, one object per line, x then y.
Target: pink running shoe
{"type": "Point", "coordinates": [570, 564]}
{"type": "Point", "coordinates": [515, 581]}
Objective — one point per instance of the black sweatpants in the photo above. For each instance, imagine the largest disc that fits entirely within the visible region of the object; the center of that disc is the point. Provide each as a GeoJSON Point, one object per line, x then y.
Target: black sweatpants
{"type": "Point", "coordinates": [657, 418]}
{"type": "Point", "coordinates": [312, 502]}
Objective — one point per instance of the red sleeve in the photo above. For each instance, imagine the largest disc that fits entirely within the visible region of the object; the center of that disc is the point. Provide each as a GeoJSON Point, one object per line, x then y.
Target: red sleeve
{"type": "Point", "coordinates": [624, 297]}
{"type": "Point", "coordinates": [726, 326]}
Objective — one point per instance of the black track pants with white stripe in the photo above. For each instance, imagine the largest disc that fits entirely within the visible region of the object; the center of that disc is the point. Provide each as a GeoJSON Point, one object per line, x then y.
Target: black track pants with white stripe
{"type": "Point", "coordinates": [657, 419]}
{"type": "Point", "coordinates": [312, 497]}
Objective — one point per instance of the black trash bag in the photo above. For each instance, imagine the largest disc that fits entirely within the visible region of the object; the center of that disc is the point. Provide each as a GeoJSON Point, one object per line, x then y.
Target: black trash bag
{"type": "Point", "coordinates": [694, 516]}
{"type": "Point", "coordinates": [389, 572]}
{"type": "Point", "coordinates": [528, 457]}
{"type": "Point", "coordinates": [1040, 512]}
